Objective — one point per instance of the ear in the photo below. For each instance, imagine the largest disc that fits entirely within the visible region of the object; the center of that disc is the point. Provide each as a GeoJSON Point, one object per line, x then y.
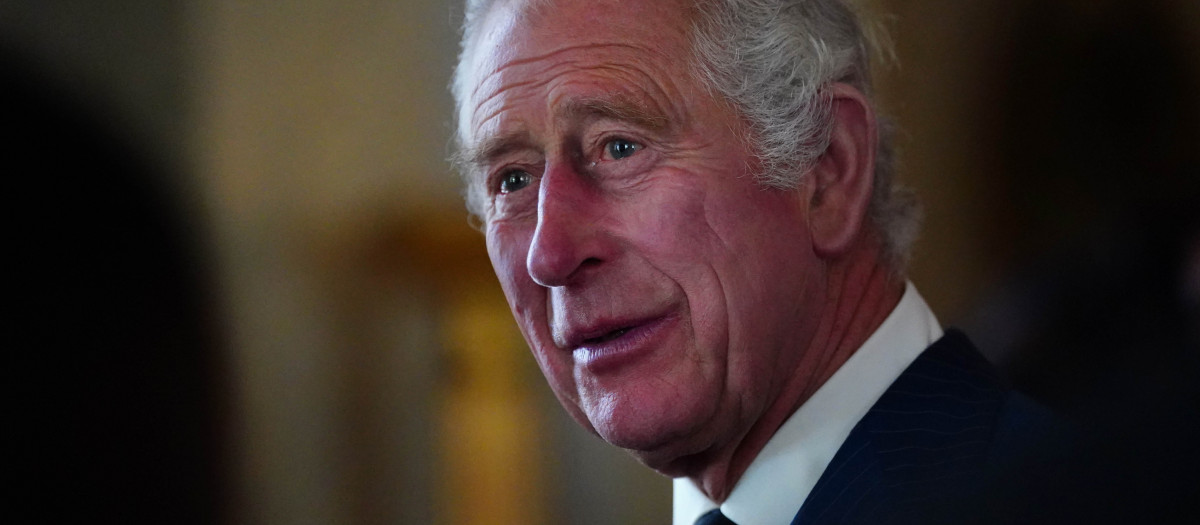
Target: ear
{"type": "Point", "coordinates": [841, 182]}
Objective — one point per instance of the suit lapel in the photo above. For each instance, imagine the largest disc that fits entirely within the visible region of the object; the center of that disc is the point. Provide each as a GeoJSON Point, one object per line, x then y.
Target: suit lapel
{"type": "Point", "coordinates": [927, 436]}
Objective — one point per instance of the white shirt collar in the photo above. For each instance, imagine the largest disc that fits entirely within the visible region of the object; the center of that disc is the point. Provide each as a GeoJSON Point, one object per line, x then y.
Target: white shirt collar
{"type": "Point", "coordinates": [785, 471]}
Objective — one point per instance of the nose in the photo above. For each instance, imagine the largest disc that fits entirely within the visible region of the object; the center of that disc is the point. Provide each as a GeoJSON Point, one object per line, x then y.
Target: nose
{"type": "Point", "coordinates": [567, 240]}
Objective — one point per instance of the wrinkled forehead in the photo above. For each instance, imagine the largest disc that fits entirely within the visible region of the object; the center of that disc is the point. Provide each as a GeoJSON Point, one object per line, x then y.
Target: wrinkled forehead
{"type": "Point", "coordinates": [514, 36]}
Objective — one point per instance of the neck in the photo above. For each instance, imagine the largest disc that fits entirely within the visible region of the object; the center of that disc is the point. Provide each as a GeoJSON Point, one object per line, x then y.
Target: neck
{"type": "Point", "coordinates": [861, 293]}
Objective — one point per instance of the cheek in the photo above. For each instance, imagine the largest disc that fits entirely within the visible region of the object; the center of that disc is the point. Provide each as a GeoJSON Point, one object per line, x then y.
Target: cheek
{"type": "Point", "coordinates": [669, 220]}
{"type": "Point", "coordinates": [507, 248]}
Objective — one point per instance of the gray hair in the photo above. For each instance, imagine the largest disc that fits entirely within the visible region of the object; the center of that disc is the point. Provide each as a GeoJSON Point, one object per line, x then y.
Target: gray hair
{"type": "Point", "coordinates": [773, 61]}
{"type": "Point", "coordinates": [473, 14]}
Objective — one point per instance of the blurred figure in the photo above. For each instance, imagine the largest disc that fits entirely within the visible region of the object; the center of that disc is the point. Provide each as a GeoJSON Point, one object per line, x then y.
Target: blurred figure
{"type": "Point", "coordinates": [1101, 122]}
{"type": "Point", "coordinates": [1103, 193]}
{"type": "Point", "coordinates": [117, 370]}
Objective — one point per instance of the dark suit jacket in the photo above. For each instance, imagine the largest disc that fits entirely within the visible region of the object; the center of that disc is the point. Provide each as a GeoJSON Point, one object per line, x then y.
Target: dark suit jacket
{"type": "Point", "coordinates": [932, 449]}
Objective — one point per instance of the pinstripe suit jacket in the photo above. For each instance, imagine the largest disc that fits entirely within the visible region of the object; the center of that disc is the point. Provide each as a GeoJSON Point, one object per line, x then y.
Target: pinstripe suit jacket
{"type": "Point", "coordinates": [934, 444]}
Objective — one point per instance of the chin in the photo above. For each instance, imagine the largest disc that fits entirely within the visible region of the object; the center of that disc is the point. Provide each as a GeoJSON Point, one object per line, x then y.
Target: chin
{"type": "Point", "coordinates": [659, 441]}
{"type": "Point", "coordinates": [675, 457]}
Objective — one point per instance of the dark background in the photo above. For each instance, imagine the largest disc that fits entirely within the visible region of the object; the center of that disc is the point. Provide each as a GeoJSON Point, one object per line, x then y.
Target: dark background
{"type": "Point", "coordinates": [247, 291]}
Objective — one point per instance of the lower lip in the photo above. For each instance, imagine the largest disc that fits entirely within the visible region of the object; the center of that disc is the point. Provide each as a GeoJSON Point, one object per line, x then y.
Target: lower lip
{"type": "Point", "coordinates": [610, 355]}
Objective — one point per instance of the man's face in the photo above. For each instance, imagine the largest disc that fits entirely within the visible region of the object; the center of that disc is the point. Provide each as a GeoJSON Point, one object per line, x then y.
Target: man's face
{"type": "Point", "coordinates": [663, 292]}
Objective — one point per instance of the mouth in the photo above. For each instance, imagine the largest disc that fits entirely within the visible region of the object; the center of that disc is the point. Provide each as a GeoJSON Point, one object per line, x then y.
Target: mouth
{"type": "Point", "coordinates": [592, 341]}
{"type": "Point", "coordinates": [603, 332]}
{"type": "Point", "coordinates": [610, 346]}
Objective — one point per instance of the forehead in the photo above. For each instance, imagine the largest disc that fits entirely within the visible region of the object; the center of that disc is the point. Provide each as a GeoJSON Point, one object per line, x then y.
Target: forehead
{"type": "Point", "coordinates": [533, 46]}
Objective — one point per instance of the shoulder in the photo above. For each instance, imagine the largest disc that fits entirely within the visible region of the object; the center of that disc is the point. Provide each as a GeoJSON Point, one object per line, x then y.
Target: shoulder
{"type": "Point", "coordinates": [947, 432]}
{"type": "Point", "coordinates": [1000, 436]}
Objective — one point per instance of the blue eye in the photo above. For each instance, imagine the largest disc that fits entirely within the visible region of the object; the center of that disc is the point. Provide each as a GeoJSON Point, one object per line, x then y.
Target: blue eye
{"type": "Point", "coordinates": [514, 180]}
{"type": "Point", "coordinates": [621, 148]}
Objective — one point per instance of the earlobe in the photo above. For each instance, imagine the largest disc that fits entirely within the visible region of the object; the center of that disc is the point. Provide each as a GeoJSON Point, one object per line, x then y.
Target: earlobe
{"type": "Point", "coordinates": [843, 177]}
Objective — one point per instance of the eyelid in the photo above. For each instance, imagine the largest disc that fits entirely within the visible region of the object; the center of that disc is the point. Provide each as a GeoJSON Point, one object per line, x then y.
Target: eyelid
{"type": "Point", "coordinates": [600, 133]}
{"type": "Point", "coordinates": [520, 158]}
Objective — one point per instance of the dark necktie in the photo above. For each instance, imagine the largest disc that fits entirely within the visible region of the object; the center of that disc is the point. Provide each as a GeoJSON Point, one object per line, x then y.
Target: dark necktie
{"type": "Point", "coordinates": [714, 517]}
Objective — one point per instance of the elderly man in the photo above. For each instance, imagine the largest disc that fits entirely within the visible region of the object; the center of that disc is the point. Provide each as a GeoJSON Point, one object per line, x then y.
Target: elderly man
{"type": "Point", "coordinates": [689, 207]}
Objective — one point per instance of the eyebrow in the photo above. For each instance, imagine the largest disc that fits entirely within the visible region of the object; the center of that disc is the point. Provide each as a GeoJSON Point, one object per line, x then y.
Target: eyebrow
{"type": "Point", "coordinates": [619, 107]}
{"type": "Point", "coordinates": [480, 155]}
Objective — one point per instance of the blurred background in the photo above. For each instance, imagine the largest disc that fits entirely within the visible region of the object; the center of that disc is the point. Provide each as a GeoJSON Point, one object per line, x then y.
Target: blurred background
{"type": "Point", "coordinates": [249, 293]}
